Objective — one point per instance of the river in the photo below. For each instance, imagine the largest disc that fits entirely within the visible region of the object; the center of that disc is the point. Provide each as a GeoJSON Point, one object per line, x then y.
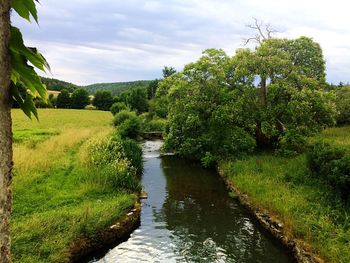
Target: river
{"type": "Point", "coordinates": [190, 217]}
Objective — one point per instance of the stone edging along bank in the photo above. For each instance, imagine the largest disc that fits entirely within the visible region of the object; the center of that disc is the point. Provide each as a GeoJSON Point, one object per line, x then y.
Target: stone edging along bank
{"type": "Point", "coordinates": [300, 250]}
{"type": "Point", "coordinates": [82, 249]}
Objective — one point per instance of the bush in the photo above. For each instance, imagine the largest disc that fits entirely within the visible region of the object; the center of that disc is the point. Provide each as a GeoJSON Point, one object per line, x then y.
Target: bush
{"type": "Point", "coordinates": [117, 107]}
{"type": "Point", "coordinates": [154, 125]}
{"type": "Point", "coordinates": [331, 164]}
{"type": "Point", "coordinates": [343, 105]}
{"type": "Point", "coordinates": [208, 161]}
{"type": "Point", "coordinates": [122, 116]}
{"type": "Point", "coordinates": [291, 143]}
{"type": "Point", "coordinates": [133, 153]}
{"type": "Point", "coordinates": [130, 128]}
{"type": "Point", "coordinates": [109, 159]}
{"type": "Point", "coordinates": [128, 124]}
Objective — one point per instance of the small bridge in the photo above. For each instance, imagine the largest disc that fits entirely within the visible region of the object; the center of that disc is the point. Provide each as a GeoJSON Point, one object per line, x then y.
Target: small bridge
{"type": "Point", "coordinates": [152, 135]}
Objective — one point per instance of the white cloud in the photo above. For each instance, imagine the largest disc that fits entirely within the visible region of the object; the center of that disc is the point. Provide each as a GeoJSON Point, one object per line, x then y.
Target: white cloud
{"type": "Point", "coordinates": [89, 41]}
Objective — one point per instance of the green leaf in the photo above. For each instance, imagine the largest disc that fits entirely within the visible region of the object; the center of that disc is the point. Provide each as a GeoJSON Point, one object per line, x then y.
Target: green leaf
{"type": "Point", "coordinates": [25, 8]}
{"type": "Point", "coordinates": [27, 104]}
{"type": "Point", "coordinates": [28, 76]}
{"type": "Point", "coordinates": [31, 54]}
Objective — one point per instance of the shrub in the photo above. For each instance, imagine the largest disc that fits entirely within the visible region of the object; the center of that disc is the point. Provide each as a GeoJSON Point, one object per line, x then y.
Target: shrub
{"type": "Point", "coordinates": [331, 164]}
{"type": "Point", "coordinates": [291, 143]}
{"type": "Point", "coordinates": [154, 125]}
{"type": "Point", "coordinates": [133, 152]}
{"type": "Point", "coordinates": [208, 161]}
{"type": "Point", "coordinates": [122, 116]}
{"type": "Point", "coordinates": [109, 163]}
{"type": "Point", "coordinates": [130, 128]}
{"type": "Point", "coordinates": [343, 105]}
{"type": "Point", "coordinates": [117, 107]}
{"type": "Point", "coordinates": [128, 124]}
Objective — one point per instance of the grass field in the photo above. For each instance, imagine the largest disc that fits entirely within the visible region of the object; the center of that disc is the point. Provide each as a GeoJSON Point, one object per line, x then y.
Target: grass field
{"type": "Point", "coordinates": [306, 206]}
{"type": "Point", "coordinates": [53, 201]}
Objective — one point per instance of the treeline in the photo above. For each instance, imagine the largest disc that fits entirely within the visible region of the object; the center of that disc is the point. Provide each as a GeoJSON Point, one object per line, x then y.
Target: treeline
{"type": "Point", "coordinates": [115, 88]}
{"type": "Point", "coordinates": [138, 110]}
{"type": "Point", "coordinates": [58, 85]}
{"type": "Point", "coordinates": [118, 87]}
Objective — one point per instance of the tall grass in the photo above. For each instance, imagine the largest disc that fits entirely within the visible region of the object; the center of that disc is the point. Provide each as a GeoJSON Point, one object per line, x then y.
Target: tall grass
{"type": "Point", "coordinates": [305, 205]}
{"type": "Point", "coordinates": [57, 197]}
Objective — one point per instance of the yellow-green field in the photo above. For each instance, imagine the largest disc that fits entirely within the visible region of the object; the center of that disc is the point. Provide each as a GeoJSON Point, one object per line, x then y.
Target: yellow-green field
{"type": "Point", "coordinates": [54, 202]}
{"type": "Point", "coordinates": [306, 206]}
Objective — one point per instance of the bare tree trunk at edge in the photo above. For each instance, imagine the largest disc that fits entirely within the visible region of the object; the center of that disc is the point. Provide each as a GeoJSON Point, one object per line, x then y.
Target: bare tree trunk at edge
{"type": "Point", "coordinates": [5, 133]}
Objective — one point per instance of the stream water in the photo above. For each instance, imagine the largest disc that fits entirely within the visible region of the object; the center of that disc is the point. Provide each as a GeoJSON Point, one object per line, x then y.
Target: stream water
{"type": "Point", "coordinates": [189, 217]}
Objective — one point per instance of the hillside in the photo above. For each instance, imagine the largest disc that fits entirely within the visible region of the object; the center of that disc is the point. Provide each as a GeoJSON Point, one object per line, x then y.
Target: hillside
{"type": "Point", "coordinates": [117, 87]}
{"type": "Point", "coordinates": [58, 85]}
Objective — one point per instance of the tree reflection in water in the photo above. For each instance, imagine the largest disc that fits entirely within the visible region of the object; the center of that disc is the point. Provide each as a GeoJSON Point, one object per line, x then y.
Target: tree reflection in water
{"type": "Point", "coordinates": [208, 225]}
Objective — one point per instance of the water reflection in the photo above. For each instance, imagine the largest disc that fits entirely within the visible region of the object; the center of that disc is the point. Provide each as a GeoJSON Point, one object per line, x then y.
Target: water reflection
{"type": "Point", "coordinates": [189, 217]}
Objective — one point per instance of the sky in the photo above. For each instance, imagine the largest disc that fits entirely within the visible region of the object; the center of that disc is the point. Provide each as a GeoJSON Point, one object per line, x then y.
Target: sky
{"type": "Point", "coordinates": [93, 41]}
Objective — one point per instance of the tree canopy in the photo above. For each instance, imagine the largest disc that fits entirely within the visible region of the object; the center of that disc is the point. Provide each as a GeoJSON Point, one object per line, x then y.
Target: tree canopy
{"type": "Point", "coordinates": [80, 99]}
{"type": "Point", "coordinates": [103, 100]}
{"type": "Point", "coordinates": [259, 98]}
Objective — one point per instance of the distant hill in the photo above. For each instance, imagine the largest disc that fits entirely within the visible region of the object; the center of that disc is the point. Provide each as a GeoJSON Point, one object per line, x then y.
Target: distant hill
{"type": "Point", "coordinates": [58, 85]}
{"type": "Point", "coordinates": [117, 87]}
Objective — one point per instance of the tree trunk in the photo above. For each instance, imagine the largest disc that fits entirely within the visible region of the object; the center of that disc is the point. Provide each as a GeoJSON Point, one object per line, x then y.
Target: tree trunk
{"type": "Point", "coordinates": [262, 92]}
{"type": "Point", "coordinates": [5, 133]}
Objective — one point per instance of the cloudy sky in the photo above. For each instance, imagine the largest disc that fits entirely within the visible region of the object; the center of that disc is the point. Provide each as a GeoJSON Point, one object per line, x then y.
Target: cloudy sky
{"type": "Point", "coordinates": [90, 41]}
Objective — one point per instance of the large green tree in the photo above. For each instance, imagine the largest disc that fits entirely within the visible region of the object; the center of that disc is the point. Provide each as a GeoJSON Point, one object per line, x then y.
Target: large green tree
{"type": "Point", "coordinates": [290, 64]}
{"type": "Point", "coordinates": [79, 99]}
{"type": "Point", "coordinates": [17, 64]}
{"type": "Point", "coordinates": [271, 96]}
{"type": "Point", "coordinates": [207, 113]}
{"type": "Point", "coordinates": [64, 100]}
{"type": "Point", "coordinates": [136, 99]}
{"type": "Point", "coordinates": [103, 100]}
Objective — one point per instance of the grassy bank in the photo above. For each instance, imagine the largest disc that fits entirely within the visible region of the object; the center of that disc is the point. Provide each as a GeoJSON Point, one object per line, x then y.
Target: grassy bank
{"type": "Point", "coordinates": [307, 207]}
{"type": "Point", "coordinates": [58, 197]}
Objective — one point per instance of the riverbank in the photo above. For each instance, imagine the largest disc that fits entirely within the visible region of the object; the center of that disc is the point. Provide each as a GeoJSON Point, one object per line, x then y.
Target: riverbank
{"type": "Point", "coordinates": [296, 207]}
{"type": "Point", "coordinates": [189, 217]}
{"type": "Point", "coordinates": [62, 198]}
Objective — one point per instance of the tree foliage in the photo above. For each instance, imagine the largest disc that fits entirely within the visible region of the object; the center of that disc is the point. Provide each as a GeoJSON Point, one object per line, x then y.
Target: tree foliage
{"type": "Point", "coordinates": [128, 124]}
{"type": "Point", "coordinates": [136, 99]}
{"type": "Point", "coordinates": [117, 107]}
{"type": "Point", "coordinates": [103, 100]}
{"type": "Point", "coordinates": [58, 85]}
{"type": "Point", "coordinates": [272, 96]}
{"type": "Point", "coordinates": [23, 61]}
{"type": "Point", "coordinates": [80, 99]}
{"type": "Point", "coordinates": [117, 88]}
{"type": "Point", "coordinates": [168, 71]}
{"type": "Point", "coordinates": [64, 100]}
{"type": "Point", "coordinates": [343, 104]}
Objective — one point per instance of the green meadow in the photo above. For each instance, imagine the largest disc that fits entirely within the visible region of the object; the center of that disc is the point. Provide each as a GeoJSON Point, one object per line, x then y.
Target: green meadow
{"type": "Point", "coordinates": [307, 207]}
{"type": "Point", "coordinates": [57, 197]}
